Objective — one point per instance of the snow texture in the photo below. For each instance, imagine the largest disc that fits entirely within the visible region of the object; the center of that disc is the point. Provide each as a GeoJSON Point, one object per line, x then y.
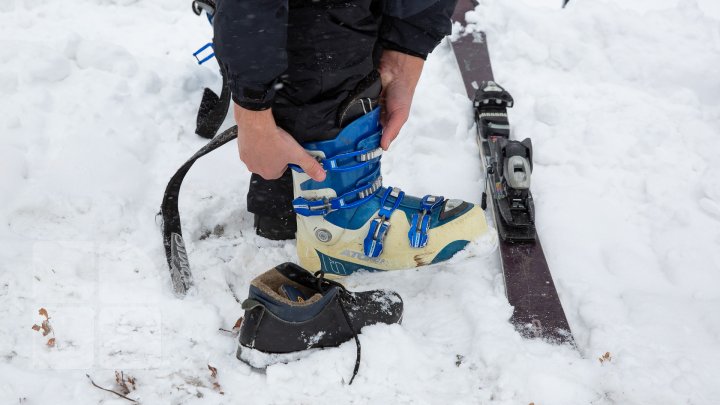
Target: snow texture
{"type": "Point", "coordinates": [621, 99]}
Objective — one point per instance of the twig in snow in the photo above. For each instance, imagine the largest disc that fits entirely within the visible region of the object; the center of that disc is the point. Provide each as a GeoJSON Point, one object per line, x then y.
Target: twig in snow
{"type": "Point", "coordinates": [236, 328]}
{"type": "Point", "coordinates": [108, 390]}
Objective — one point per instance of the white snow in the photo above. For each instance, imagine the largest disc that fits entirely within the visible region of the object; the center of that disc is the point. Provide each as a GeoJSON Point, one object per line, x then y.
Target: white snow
{"type": "Point", "coordinates": [621, 99]}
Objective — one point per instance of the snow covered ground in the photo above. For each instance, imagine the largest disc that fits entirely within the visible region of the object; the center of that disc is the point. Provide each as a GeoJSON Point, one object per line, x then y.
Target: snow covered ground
{"type": "Point", "coordinates": [621, 99]}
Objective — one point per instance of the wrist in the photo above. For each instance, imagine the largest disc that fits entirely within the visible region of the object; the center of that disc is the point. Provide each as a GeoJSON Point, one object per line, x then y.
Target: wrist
{"type": "Point", "coordinates": [390, 46]}
{"type": "Point", "coordinates": [254, 122]}
{"type": "Point", "coordinates": [395, 64]}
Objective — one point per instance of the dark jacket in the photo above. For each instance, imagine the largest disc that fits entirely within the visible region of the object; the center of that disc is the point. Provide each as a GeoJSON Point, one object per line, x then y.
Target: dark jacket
{"type": "Point", "coordinates": [266, 44]}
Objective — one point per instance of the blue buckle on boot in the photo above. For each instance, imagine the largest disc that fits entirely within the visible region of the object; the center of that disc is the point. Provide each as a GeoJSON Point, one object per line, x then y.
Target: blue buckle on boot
{"type": "Point", "coordinates": [373, 244]}
{"type": "Point", "coordinates": [364, 156]}
{"type": "Point", "coordinates": [310, 208]}
{"type": "Point", "coordinates": [420, 223]}
{"type": "Point", "coordinates": [324, 206]}
{"type": "Point", "coordinates": [201, 60]}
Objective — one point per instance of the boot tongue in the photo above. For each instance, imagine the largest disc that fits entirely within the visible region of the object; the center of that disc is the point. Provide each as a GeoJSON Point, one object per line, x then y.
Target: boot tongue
{"type": "Point", "coordinates": [297, 274]}
{"type": "Point", "coordinates": [361, 101]}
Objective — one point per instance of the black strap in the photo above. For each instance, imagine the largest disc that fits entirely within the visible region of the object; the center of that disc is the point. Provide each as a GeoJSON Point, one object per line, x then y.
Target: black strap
{"type": "Point", "coordinates": [172, 232]}
{"type": "Point", "coordinates": [213, 109]}
{"type": "Point", "coordinates": [208, 5]}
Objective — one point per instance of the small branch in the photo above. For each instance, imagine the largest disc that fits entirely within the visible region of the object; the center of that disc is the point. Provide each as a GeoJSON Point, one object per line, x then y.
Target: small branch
{"type": "Point", "coordinates": [114, 392]}
{"type": "Point", "coordinates": [231, 287]}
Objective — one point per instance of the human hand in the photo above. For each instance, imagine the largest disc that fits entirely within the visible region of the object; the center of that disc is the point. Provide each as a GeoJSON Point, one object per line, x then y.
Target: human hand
{"type": "Point", "coordinates": [267, 149]}
{"type": "Point", "coordinates": [399, 73]}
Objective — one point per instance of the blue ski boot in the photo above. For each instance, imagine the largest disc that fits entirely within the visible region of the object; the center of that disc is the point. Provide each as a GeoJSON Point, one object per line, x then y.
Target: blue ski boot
{"type": "Point", "coordinates": [351, 222]}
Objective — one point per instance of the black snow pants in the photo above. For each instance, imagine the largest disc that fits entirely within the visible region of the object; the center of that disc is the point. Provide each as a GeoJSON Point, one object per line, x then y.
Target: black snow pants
{"type": "Point", "coordinates": [331, 48]}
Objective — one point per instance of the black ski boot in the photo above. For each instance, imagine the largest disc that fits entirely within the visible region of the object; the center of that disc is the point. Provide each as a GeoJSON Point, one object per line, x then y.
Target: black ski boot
{"type": "Point", "coordinates": [271, 202]}
{"type": "Point", "coordinates": [276, 228]}
{"type": "Point", "coordinates": [289, 310]}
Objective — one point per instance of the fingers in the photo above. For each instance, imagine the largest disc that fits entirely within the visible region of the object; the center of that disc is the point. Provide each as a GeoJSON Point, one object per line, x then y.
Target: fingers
{"type": "Point", "coordinates": [393, 123]}
{"type": "Point", "coordinates": [266, 172]}
{"type": "Point", "coordinates": [311, 166]}
{"type": "Point", "coordinates": [297, 155]}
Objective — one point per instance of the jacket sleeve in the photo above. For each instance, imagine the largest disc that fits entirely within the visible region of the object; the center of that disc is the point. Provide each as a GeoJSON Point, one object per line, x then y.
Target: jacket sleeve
{"type": "Point", "coordinates": [417, 34]}
{"type": "Point", "coordinates": [250, 37]}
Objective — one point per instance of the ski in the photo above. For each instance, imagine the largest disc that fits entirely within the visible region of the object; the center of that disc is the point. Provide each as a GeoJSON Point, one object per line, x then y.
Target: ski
{"type": "Point", "coordinates": [529, 286]}
{"type": "Point", "coordinates": [175, 252]}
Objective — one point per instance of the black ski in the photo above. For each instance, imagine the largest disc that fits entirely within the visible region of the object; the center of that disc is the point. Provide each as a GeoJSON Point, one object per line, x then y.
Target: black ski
{"type": "Point", "coordinates": [508, 163]}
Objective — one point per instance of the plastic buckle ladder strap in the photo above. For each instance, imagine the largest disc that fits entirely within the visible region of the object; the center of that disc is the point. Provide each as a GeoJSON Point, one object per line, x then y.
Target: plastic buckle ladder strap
{"type": "Point", "coordinates": [206, 58]}
{"type": "Point", "coordinates": [209, 6]}
{"type": "Point", "coordinates": [420, 223]}
{"type": "Point", "coordinates": [309, 208]}
{"type": "Point", "coordinates": [364, 156]}
{"type": "Point", "coordinates": [373, 244]}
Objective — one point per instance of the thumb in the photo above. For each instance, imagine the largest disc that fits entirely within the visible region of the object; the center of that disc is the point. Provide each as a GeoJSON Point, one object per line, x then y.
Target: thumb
{"type": "Point", "coordinates": [310, 166]}
{"type": "Point", "coordinates": [394, 121]}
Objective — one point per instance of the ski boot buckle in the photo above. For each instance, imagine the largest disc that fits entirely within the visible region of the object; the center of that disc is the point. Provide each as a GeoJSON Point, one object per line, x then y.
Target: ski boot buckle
{"type": "Point", "coordinates": [420, 223]}
{"type": "Point", "coordinates": [373, 244]}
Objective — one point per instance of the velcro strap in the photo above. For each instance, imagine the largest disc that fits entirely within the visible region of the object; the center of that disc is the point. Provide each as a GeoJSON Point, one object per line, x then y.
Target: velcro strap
{"type": "Point", "coordinates": [420, 224]}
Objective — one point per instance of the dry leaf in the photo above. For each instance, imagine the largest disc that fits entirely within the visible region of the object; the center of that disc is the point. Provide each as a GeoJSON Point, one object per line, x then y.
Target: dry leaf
{"type": "Point", "coordinates": [46, 328]}
{"type": "Point", "coordinates": [238, 323]}
{"type": "Point", "coordinates": [122, 382]}
{"type": "Point", "coordinates": [213, 377]}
